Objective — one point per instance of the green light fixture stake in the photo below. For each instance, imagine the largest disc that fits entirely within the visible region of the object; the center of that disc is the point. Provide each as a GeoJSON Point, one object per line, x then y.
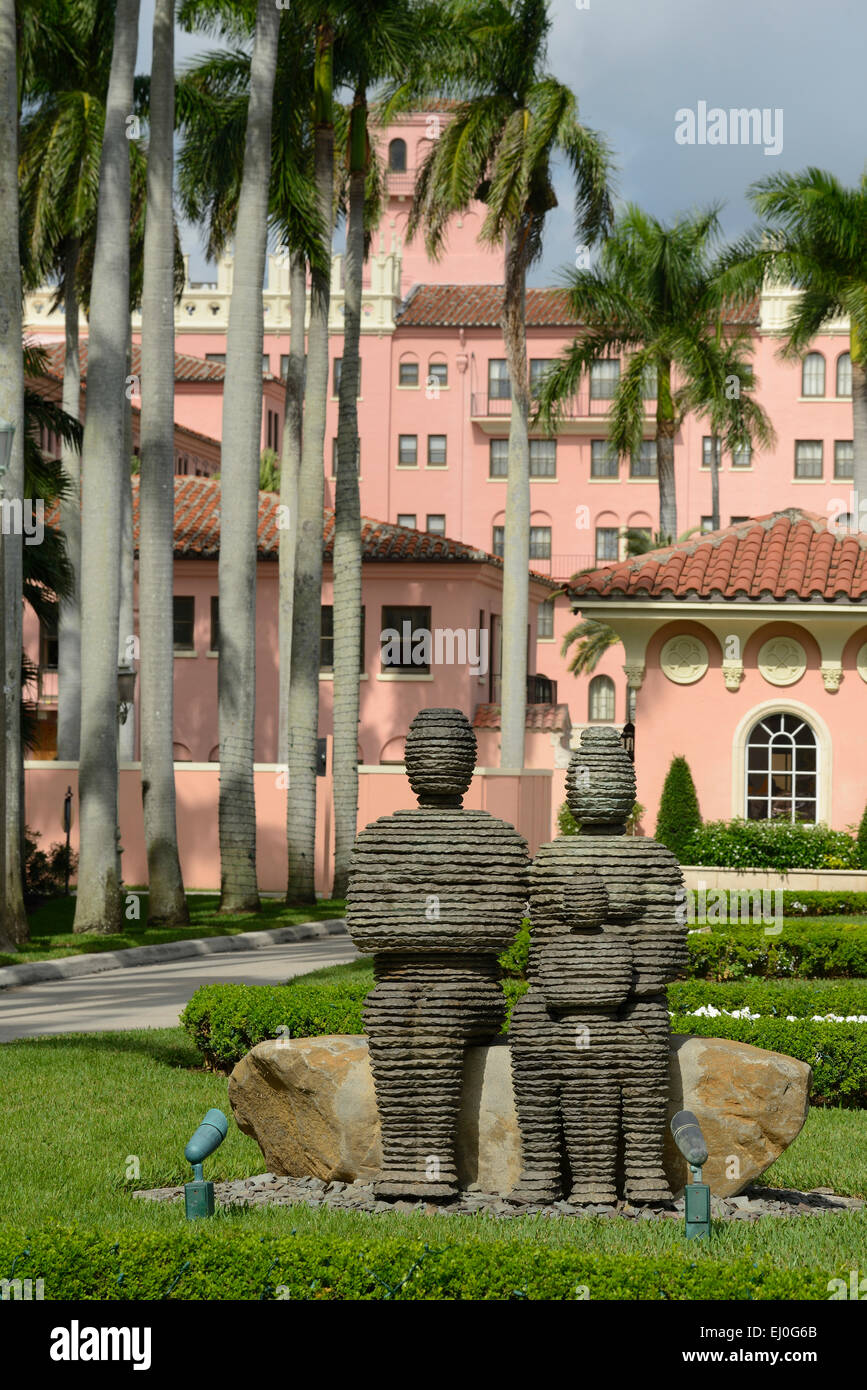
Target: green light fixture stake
{"type": "Point", "coordinates": [689, 1139]}
{"type": "Point", "coordinates": [199, 1194]}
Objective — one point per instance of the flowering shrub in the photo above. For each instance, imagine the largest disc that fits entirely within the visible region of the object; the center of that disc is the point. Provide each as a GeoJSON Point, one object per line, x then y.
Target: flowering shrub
{"type": "Point", "coordinates": [780, 845]}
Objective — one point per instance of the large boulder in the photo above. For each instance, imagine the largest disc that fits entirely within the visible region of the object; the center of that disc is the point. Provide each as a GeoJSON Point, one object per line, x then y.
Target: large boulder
{"type": "Point", "coordinates": [309, 1103]}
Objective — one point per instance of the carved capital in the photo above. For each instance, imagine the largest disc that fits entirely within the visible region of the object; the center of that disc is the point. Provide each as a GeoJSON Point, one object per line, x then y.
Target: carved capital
{"type": "Point", "coordinates": [634, 674]}
{"type": "Point", "coordinates": [733, 674]}
{"type": "Point", "coordinates": [832, 675]}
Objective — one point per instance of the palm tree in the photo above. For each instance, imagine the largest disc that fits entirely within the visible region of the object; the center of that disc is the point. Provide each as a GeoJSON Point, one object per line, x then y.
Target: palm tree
{"type": "Point", "coordinates": [497, 148]}
{"type": "Point", "coordinates": [166, 902]}
{"type": "Point", "coordinates": [13, 921]}
{"type": "Point", "coordinates": [290, 466]}
{"type": "Point", "coordinates": [98, 904]}
{"type": "Point", "coordinates": [657, 292]}
{"type": "Point", "coordinates": [814, 235]}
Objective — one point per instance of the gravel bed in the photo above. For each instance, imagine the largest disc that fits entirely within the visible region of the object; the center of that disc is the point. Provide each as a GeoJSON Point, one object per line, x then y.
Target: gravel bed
{"type": "Point", "coordinates": [268, 1189]}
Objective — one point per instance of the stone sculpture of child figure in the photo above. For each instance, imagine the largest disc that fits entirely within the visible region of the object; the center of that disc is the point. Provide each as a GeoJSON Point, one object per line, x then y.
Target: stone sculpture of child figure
{"type": "Point", "coordinates": [590, 1039]}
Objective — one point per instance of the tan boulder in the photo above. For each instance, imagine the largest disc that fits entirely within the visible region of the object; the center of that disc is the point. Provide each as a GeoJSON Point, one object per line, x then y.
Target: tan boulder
{"type": "Point", "coordinates": [309, 1103]}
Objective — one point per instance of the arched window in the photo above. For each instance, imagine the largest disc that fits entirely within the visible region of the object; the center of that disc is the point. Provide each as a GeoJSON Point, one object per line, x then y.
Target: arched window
{"type": "Point", "coordinates": [844, 374]}
{"type": "Point", "coordinates": [601, 700]}
{"type": "Point", "coordinates": [813, 375]}
{"type": "Point", "coordinates": [397, 156]}
{"type": "Point", "coordinates": [782, 769]}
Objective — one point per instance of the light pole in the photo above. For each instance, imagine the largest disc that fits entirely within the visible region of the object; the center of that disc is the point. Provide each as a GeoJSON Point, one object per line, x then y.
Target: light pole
{"type": "Point", "coordinates": [7, 435]}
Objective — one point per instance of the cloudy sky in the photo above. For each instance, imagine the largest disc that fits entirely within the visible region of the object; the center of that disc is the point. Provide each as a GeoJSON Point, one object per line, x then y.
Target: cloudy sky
{"type": "Point", "coordinates": [635, 64]}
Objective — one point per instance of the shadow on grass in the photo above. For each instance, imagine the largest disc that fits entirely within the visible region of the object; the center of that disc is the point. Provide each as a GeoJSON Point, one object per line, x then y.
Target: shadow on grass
{"type": "Point", "coordinates": [169, 1047]}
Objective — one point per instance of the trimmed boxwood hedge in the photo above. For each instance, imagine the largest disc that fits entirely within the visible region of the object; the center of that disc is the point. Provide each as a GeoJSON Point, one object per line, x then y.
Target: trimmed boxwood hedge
{"type": "Point", "coordinates": [76, 1263]}
{"type": "Point", "coordinates": [762, 844]}
{"type": "Point", "coordinates": [779, 998]}
{"type": "Point", "coordinates": [803, 949]}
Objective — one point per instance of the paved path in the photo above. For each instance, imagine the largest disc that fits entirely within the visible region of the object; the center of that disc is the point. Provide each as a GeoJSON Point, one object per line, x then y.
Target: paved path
{"type": "Point", "coordinates": [152, 996]}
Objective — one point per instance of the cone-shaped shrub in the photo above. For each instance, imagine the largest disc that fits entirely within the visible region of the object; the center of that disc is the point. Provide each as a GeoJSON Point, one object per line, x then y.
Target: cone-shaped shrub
{"type": "Point", "coordinates": [678, 814]}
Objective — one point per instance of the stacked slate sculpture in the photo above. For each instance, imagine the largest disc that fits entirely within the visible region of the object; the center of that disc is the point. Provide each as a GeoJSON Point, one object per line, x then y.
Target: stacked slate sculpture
{"type": "Point", "coordinates": [590, 1039]}
{"type": "Point", "coordinates": [436, 894]}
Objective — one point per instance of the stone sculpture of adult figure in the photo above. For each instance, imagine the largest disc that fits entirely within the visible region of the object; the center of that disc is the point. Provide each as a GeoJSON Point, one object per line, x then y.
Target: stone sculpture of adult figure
{"type": "Point", "coordinates": [435, 893]}
{"type": "Point", "coordinates": [604, 998]}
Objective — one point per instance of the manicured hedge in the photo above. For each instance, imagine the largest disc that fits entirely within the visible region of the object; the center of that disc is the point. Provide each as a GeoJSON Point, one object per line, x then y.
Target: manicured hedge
{"type": "Point", "coordinates": [772, 998]}
{"type": "Point", "coordinates": [220, 1266]}
{"type": "Point", "coordinates": [743, 905]}
{"type": "Point", "coordinates": [803, 950]}
{"type": "Point", "coordinates": [757, 844]}
{"type": "Point", "coordinates": [226, 1021]}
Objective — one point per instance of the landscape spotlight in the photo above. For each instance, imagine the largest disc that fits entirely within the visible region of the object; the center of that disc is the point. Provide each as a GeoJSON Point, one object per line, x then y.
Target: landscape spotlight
{"type": "Point", "coordinates": [198, 1194]}
{"type": "Point", "coordinates": [689, 1139]}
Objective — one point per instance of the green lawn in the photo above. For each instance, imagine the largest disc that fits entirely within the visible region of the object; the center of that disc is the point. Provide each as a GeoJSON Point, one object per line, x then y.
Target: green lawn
{"type": "Point", "coordinates": [79, 1110]}
{"type": "Point", "coordinates": [51, 934]}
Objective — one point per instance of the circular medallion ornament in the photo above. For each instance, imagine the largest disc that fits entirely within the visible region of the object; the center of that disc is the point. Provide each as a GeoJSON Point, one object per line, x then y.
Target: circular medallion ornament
{"type": "Point", "coordinates": [684, 659]}
{"type": "Point", "coordinates": [782, 661]}
{"type": "Point", "coordinates": [861, 662]}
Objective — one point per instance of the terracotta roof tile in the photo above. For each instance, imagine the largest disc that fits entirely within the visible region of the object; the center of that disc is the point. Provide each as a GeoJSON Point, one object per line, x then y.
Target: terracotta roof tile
{"type": "Point", "coordinates": [789, 554]}
{"type": "Point", "coordinates": [547, 718]}
{"type": "Point", "coordinates": [187, 367]}
{"type": "Point", "coordinates": [481, 306]}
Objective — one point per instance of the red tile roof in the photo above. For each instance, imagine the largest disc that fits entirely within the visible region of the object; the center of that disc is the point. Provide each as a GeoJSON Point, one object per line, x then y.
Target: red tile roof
{"type": "Point", "coordinates": [187, 368]}
{"type": "Point", "coordinates": [550, 718]}
{"type": "Point", "coordinates": [197, 531]}
{"type": "Point", "coordinates": [481, 306]}
{"type": "Point", "coordinates": [790, 554]}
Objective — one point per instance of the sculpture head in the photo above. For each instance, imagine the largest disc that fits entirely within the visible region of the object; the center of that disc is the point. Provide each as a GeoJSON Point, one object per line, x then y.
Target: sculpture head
{"type": "Point", "coordinates": [600, 783]}
{"type": "Point", "coordinates": [440, 756]}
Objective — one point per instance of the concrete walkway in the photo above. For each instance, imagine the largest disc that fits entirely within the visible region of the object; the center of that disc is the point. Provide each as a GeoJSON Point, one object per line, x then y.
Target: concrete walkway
{"type": "Point", "coordinates": [152, 996]}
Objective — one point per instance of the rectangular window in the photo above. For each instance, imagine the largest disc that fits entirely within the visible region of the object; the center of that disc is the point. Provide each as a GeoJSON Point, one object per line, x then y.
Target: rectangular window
{"type": "Point", "coordinates": [706, 523]}
{"type": "Point", "coordinates": [543, 458]}
{"type": "Point", "coordinates": [407, 450]}
{"type": "Point", "coordinates": [706, 445]}
{"type": "Point", "coordinates": [538, 367]}
{"type": "Point", "coordinates": [214, 639]}
{"type": "Point", "coordinates": [742, 458]}
{"type": "Point", "coordinates": [438, 372]}
{"type": "Point", "coordinates": [498, 466]}
{"type": "Point", "coordinates": [643, 464]}
{"type": "Point", "coordinates": [266, 362]}
{"type": "Point", "coordinates": [436, 523]}
{"type": "Point", "coordinates": [498, 542]}
{"type": "Point", "coordinates": [48, 645]}
{"type": "Point", "coordinates": [215, 357]}
{"type": "Point", "coordinates": [844, 459]}
{"type": "Point", "coordinates": [545, 620]}
{"type": "Point", "coordinates": [436, 451]}
{"type": "Point", "coordinates": [184, 618]}
{"type": "Point", "coordinates": [326, 638]}
{"type": "Point", "coordinates": [499, 386]}
{"type": "Point", "coordinates": [649, 383]}
{"type": "Point", "coordinates": [407, 374]}
{"type": "Point", "coordinates": [604, 379]}
{"type": "Point", "coordinates": [337, 373]}
{"type": "Point", "coordinates": [738, 520]}
{"type": "Point", "coordinates": [407, 519]}
{"type": "Point", "coordinates": [808, 458]}
{"type": "Point", "coordinates": [540, 542]}
{"type": "Point", "coordinates": [284, 364]}
{"type": "Point", "coordinates": [409, 623]}
{"type": "Point", "coordinates": [607, 538]}
{"type": "Point", "coordinates": [604, 462]}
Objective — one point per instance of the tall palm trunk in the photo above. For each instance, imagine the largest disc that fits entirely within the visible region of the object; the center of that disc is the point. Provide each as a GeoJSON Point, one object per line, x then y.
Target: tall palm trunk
{"type": "Point", "coordinates": [347, 521]}
{"type": "Point", "coordinates": [13, 920]}
{"type": "Point", "coordinates": [69, 617]}
{"type": "Point", "coordinates": [166, 903]}
{"type": "Point", "coordinates": [126, 548]}
{"type": "Point", "coordinates": [516, 557]}
{"type": "Point", "coordinates": [99, 901]}
{"type": "Point", "coordinates": [239, 505]}
{"type": "Point", "coordinates": [665, 428]}
{"type": "Point", "coordinates": [859, 427]}
{"type": "Point", "coordinates": [290, 465]}
{"type": "Point", "coordinates": [304, 677]}
{"type": "Point", "coordinates": [714, 483]}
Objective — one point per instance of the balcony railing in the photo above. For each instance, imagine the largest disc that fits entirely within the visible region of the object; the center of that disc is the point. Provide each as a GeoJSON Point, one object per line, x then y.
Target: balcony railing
{"type": "Point", "coordinates": [582, 406]}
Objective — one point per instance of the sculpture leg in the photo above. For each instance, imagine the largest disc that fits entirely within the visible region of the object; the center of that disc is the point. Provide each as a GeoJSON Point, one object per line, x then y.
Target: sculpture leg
{"type": "Point", "coordinates": [533, 1041]}
{"type": "Point", "coordinates": [591, 1105]}
{"type": "Point", "coordinates": [645, 1099]}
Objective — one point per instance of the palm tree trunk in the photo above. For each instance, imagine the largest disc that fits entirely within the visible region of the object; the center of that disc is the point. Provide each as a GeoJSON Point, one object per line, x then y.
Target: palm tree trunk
{"type": "Point", "coordinates": [714, 483]}
{"type": "Point", "coordinates": [239, 506]}
{"type": "Point", "coordinates": [290, 465]}
{"type": "Point", "coordinates": [99, 901]}
{"type": "Point", "coordinates": [304, 677]}
{"type": "Point", "coordinates": [69, 618]}
{"type": "Point", "coordinates": [665, 429]}
{"type": "Point", "coordinates": [859, 430]}
{"type": "Point", "coordinates": [347, 522]}
{"type": "Point", "coordinates": [126, 547]}
{"type": "Point", "coordinates": [166, 903]}
{"type": "Point", "coordinates": [516, 561]}
{"type": "Point", "coordinates": [13, 920]}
